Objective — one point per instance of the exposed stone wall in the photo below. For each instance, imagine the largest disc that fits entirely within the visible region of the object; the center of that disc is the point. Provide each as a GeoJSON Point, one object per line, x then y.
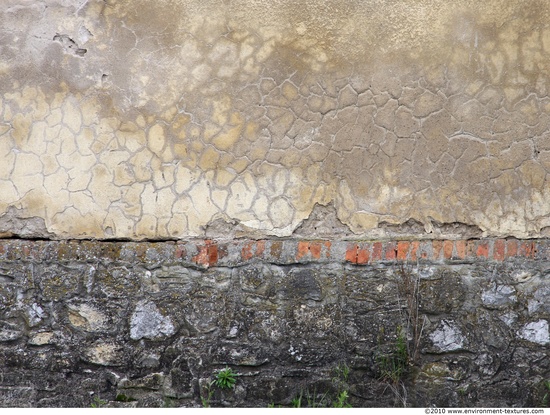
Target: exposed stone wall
{"type": "Point", "coordinates": [154, 322]}
{"type": "Point", "coordinates": [164, 119]}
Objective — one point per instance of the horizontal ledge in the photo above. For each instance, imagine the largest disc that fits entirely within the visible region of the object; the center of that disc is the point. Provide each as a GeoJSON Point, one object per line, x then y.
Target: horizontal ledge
{"type": "Point", "coordinates": [205, 253]}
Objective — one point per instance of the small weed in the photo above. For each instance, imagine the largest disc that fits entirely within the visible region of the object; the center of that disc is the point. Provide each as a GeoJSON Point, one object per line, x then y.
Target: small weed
{"type": "Point", "coordinates": [342, 400]}
{"type": "Point", "coordinates": [393, 366]}
{"type": "Point", "coordinates": [297, 401]}
{"type": "Point", "coordinates": [226, 378]}
{"type": "Point", "coordinates": [205, 400]}
{"type": "Point", "coordinates": [341, 373]}
{"type": "Point", "coordinates": [314, 401]}
{"type": "Point", "coordinates": [98, 402]}
{"type": "Point", "coordinates": [340, 380]}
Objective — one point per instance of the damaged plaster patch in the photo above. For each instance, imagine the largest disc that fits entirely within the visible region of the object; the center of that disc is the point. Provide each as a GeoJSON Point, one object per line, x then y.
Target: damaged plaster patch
{"type": "Point", "coordinates": [13, 223]}
{"type": "Point", "coordinates": [222, 227]}
{"type": "Point", "coordinates": [448, 337]}
{"type": "Point", "coordinates": [148, 322]}
{"type": "Point", "coordinates": [432, 228]}
{"type": "Point", "coordinates": [536, 332]}
{"type": "Point", "coordinates": [322, 222]}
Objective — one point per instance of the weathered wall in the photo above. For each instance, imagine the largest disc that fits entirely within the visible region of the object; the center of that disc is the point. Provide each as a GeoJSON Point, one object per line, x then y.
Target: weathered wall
{"type": "Point", "coordinates": [155, 321]}
{"type": "Point", "coordinates": [167, 119]}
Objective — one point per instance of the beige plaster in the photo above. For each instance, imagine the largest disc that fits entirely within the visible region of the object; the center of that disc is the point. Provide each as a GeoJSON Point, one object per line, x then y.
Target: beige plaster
{"type": "Point", "coordinates": [153, 119]}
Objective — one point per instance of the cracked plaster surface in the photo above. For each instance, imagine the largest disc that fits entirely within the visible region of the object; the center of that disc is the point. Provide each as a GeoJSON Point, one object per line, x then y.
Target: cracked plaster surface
{"type": "Point", "coordinates": [153, 119]}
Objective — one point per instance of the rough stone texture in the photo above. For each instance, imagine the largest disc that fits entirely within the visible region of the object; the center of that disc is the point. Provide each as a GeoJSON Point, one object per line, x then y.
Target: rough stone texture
{"type": "Point", "coordinates": [152, 323]}
{"type": "Point", "coordinates": [337, 179]}
{"type": "Point", "coordinates": [157, 119]}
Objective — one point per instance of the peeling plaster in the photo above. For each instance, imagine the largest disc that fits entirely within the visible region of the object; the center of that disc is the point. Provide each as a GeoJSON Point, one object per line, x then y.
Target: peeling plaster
{"type": "Point", "coordinates": [143, 120]}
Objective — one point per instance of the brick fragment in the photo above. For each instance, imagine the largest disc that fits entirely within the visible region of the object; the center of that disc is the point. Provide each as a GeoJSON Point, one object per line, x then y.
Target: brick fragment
{"type": "Point", "coordinates": [315, 250]}
{"type": "Point", "coordinates": [448, 249]}
{"type": "Point", "coordinates": [376, 251]}
{"type": "Point", "coordinates": [252, 249]}
{"type": "Point", "coordinates": [362, 255]}
{"type": "Point", "coordinates": [303, 249]}
{"type": "Point", "coordinates": [328, 245]}
{"type": "Point", "coordinates": [212, 255]}
{"type": "Point", "coordinates": [460, 247]}
{"type": "Point", "coordinates": [482, 249]}
{"type": "Point", "coordinates": [511, 248]}
{"type": "Point", "coordinates": [207, 255]}
{"type": "Point", "coordinates": [526, 249]}
{"type": "Point", "coordinates": [499, 250]}
{"type": "Point", "coordinates": [402, 250]}
{"type": "Point", "coordinates": [260, 248]}
{"type": "Point", "coordinates": [246, 251]}
{"type": "Point", "coordinates": [351, 253]}
{"type": "Point", "coordinates": [391, 251]}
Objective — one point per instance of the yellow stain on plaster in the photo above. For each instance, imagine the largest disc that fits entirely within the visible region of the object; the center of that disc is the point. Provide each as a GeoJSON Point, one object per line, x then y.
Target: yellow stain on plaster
{"type": "Point", "coordinates": [156, 138]}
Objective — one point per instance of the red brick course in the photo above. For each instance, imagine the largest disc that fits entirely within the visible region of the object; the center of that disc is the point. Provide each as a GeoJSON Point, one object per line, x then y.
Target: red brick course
{"type": "Point", "coordinates": [440, 250]}
{"type": "Point", "coordinates": [209, 253]}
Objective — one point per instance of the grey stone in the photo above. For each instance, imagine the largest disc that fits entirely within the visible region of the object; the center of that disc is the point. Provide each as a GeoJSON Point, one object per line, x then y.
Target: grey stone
{"type": "Point", "coordinates": [148, 322]}
{"type": "Point", "coordinates": [499, 296]}
{"type": "Point", "coordinates": [536, 332]}
{"type": "Point", "coordinates": [448, 337]}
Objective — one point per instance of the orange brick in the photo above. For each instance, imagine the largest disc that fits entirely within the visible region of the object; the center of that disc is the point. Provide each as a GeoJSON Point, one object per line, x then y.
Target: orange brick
{"type": "Point", "coordinates": [377, 251]}
{"type": "Point", "coordinates": [328, 244]}
{"type": "Point", "coordinates": [203, 257]}
{"type": "Point", "coordinates": [303, 249]}
{"type": "Point", "coordinates": [448, 249]}
{"type": "Point", "coordinates": [460, 249]}
{"type": "Point", "coordinates": [212, 254]}
{"type": "Point", "coordinates": [436, 246]}
{"type": "Point", "coordinates": [260, 248]}
{"type": "Point", "coordinates": [246, 252]}
{"type": "Point", "coordinates": [526, 249]}
{"type": "Point", "coordinates": [499, 249]}
{"type": "Point", "coordinates": [351, 253]}
{"type": "Point", "coordinates": [511, 248]}
{"type": "Point", "coordinates": [315, 249]}
{"type": "Point", "coordinates": [482, 250]}
{"type": "Point", "coordinates": [362, 256]}
{"type": "Point", "coordinates": [402, 250]}
{"type": "Point", "coordinates": [391, 251]}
